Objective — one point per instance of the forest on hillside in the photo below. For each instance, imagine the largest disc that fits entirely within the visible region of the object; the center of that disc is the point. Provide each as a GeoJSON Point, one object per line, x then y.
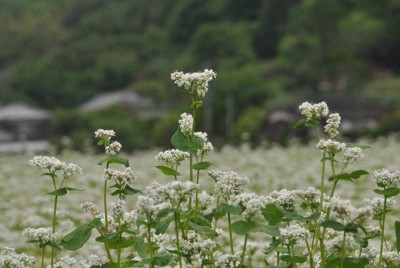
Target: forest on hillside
{"type": "Point", "coordinates": [267, 54]}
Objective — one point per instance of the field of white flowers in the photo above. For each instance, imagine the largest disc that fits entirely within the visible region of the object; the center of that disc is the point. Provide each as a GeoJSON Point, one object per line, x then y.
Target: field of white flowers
{"type": "Point", "coordinates": [24, 203]}
{"type": "Point", "coordinates": [329, 204]}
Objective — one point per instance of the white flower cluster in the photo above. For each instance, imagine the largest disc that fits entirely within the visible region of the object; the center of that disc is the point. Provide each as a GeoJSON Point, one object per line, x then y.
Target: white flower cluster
{"type": "Point", "coordinates": [10, 258]}
{"type": "Point", "coordinates": [207, 147]}
{"type": "Point", "coordinates": [346, 211]}
{"type": "Point", "coordinates": [229, 260]}
{"type": "Point", "coordinates": [121, 177]}
{"type": "Point", "coordinates": [53, 165]}
{"type": "Point", "coordinates": [227, 183]}
{"type": "Point", "coordinates": [195, 244]}
{"type": "Point", "coordinates": [186, 124]}
{"type": "Point", "coordinates": [351, 155]}
{"type": "Point", "coordinates": [310, 196]}
{"type": "Point", "coordinates": [194, 82]}
{"type": "Point", "coordinates": [120, 216]}
{"type": "Point", "coordinates": [41, 235]}
{"type": "Point", "coordinates": [332, 125]}
{"type": "Point", "coordinates": [104, 134]}
{"type": "Point", "coordinates": [314, 111]}
{"type": "Point", "coordinates": [205, 199]}
{"type": "Point", "coordinates": [284, 198]}
{"type": "Point", "coordinates": [250, 201]}
{"type": "Point", "coordinates": [377, 205]}
{"type": "Point", "coordinates": [113, 148]}
{"type": "Point", "coordinates": [90, 207]}
{"type": "Point", "coordinates": [172, 157]}
{"type": "Point", "coordinates": [331, 146]}
{"type": "Point", "coordinates": [292, 233]}
{"type": "Point", "coordinates": [118, 209]}
{"type": "Point", "coordinates": [158, 240]}
{"type": "Point", "coordinates": [385, 179]}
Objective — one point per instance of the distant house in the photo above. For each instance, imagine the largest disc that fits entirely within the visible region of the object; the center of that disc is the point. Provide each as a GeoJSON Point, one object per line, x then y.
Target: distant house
{"type": "Point", "coordinates": [126, 99]}
{"type": "Point", "coordinates": [22, 125]}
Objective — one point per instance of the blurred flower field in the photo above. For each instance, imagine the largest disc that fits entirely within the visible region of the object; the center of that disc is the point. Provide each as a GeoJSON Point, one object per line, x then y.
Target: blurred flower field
{"type": "Point", "coordinates": [24, 203]}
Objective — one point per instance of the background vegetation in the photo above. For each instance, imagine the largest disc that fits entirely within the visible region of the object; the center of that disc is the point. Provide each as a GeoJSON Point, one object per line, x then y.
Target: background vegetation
{"type": "Point", "coordinates": [267, 53]}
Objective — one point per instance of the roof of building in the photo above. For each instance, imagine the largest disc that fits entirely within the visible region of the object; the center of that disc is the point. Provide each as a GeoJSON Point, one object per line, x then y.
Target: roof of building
{"type": "Point", "coordinates": [19, 111]}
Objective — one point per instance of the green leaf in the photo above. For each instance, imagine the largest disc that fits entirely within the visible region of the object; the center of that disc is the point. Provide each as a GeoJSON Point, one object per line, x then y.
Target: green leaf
{"type": "Point", "coordinates": [293, 259]}
{"type": "Point", "coordinates": [355, 262]}
{"type": "Point", "coordinates": [201, 165]}
{"type": "Point", "coordinates": [180, 141]}
{"type": "Point", "coordinates": [162, 226]}
{"type": "Point", "coordinates": [272, 246]}
{"type": "Point", "coordinates": [128, 190]}
{"type": "Point", "coordinates": [123, 243]}
{"type": "Point", "coordinates": [162, 259]}
{"type": "Point", "coordinates": [272, 214]}
{"type": "Point", "coordinates": [389, 192]}
{"type": "Point", "coordinates": [202, 229]}
{"type": "Point", "coordinates": [397, 227]}
{"type": "Point", "coordinates": [107, 238]}
{"type": "Point", "coordinates": [348, 176]}
{"type": "Point", "coordinates": [268, 229]}
{"type": "Point", "coordinates": [197, 104]}
{"type": "Point", "coordinates": [299, 123]}
{"type": "Point", "coordinates": [198, 143]}
{"type": "Point", "coordinates": [168, 171]}
{"type": "Point", "coordinates": [77, 238]}
{"type": "Point", "coordinates": [296, 217]}
{"type": "Point", "coordinates": [311, 123]}
{"type": "Point", "coordinates": [63, 191]}
{"type": "Point", "coordinates": [114, 160]}
{"type": "Point", "coordinates": [235, 210]}
{"type": "Point", "coordinates": [337, 226]}
{"type": "Point", "coordinates": [243, 227]}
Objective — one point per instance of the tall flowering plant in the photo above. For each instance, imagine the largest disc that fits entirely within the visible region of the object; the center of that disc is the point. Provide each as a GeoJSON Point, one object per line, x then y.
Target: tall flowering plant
{"type": "Point", "coordinates": [180, 224]}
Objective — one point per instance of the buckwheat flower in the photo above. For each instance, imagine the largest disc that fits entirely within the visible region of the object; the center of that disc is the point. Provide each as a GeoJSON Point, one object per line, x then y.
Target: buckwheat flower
{"type": "Point", "coordinates": [90, 207]}
{"type": "Point", "coordinates": [121, 177]}
{"type": "Point", "coordinates": [351, 155]}
{"type": "Point", "coordinates": [70, 262]}
{"type": "Point", "coordinates": [284, 198]}
{"type": "Point", "coordinates": [149, 206]}
{"type": "Point", "coordinates": [40, 235]}
{"type": "Point", "coordinates": [391, 259]}
{"type": "Point", "coordinates": [194, 82]}
{"type": "Point", "coordinates": [314, 111]}
{"type": "Point", "coordinates": [385, 179]}
{"type": "Point", "coordinates": [186, 124]}
{"type": "Point", "coordinates": [172, 157]}
{"type": "Point", "coordinates": [377, 205]}
{"type": "Point", "coordinates": [104, 134]}
{"type": "Point", "coordinates": [330, 146]}
{"type": "Point", "coordinates": [51, 164]}
{"type": "Point", "coordinates": [71, 169]}
{"type": "Point", "coordinates": [158, 240]}
{"type": "Point", "coordinates": [118, 209]}
{"type": "Point", "coordinates": [332, 125]}
{"type": "Point", "coordinates": [373, 231]}
{"type": "Point", "coordinates": [229, 260]}
{"type": "Point", "coordinates": [251, 202]}
{"type": "Point", "coordinates": [196, 244]}
{"type": "Point", "coordinates": [178, 192]}
{"type": "Point", "coordinates": [129, 218]}
{"type": "Point", "coordinates": [227, 183]}
{"type": "Point", "coordinates": [207, 147]}
{"type": "Point", "coordinates": [205, 200]}
{"type": "Point", "coordinates": [113, 148]}
{"type": "Point", "coordinates": [95, 260]}
{"type": "Point", "coordinates": [292, 234]}
{"type": "Point", "coordinates": [310, 196]}
{"type": "Point", "coordinates": [10, 258]}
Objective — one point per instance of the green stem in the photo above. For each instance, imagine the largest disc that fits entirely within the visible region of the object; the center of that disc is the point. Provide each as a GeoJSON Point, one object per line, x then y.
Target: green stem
{"type": "Point", "coordinates": [310, 253]}
{"type": "Point", "coordinates": [244, 250]}
{"type": "Point", "coordinates": [383, 231]}
{"type": "Point", "coordinates": [177, 239]}
{"type": "Point", "coordinates": [343, 249]}
{"type": "Point", "coordinates": [151, 251]}
{"type": "Point", "coordinates": [230, 233]}
{"type": "Point", "coordinates": [54, 228]}
{"type": "Point", "coordinates": [42, 265]}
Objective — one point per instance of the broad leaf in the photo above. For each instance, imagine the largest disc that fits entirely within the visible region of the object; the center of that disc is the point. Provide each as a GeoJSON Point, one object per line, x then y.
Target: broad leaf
{"type": "Point", "coordinates": [202, 229]}
{"type": "Point", "coordinates": [201, 165]}
{"type": "Point", "coordinates": [235, 210]}
{"type": "Point", "coordinates": [348, 176]}
{"type": "Point", "coordinates": [243, 227]}
{"type": "Point", "coordinates": [114, 160]}
{"type": "Point", "coordinates": [293, 259]}
{"type": "Point", "coordinates": [355, 262]}
{"type": "Point", "coordinates": [63, 191]}
{"type": "Point", "coordinates": [162, 259]}
{"type": "Point", "coordinates": [77, 238]}
{"type": "Point", "coordinates": [180, 141]}
{"type": "Point", "coordinates": [337, 226]}
{"type": "Point", "coordinates": [168, 171]}
{"type": "Point", "coordinates": [389, 192]}
{"type": "Point", "coordinates": [272, 214]}
{"type": "Point", "coordinates": [268, 229]}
